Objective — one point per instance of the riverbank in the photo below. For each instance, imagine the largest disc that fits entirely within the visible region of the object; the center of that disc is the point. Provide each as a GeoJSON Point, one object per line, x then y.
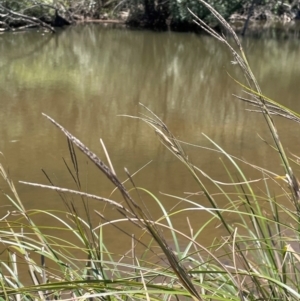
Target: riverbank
{"type": "Point", "coordinates": [160, 16]}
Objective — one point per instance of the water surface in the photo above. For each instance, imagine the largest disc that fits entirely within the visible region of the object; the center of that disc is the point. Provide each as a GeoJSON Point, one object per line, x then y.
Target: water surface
{"type": "Point", "coordinates": [86, 76]}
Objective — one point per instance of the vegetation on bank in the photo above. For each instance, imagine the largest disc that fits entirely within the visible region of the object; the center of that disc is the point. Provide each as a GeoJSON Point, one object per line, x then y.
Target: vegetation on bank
{"type": "Point", "coordinates": [257, 259]}
{"type": "Point", "coordinates": [160, 15]}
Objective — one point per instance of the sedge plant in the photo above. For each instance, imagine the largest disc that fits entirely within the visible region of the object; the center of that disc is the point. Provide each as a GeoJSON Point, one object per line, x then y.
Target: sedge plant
{"type": "Point", "coordinates": [257, 259]}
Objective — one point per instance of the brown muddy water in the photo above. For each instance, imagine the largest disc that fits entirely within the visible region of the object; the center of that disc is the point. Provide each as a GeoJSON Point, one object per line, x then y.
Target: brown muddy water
{"type": "Point", "coordinates": [86, 76]}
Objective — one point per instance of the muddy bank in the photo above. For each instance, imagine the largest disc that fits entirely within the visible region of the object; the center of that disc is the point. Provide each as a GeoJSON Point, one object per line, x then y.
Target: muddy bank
{"type": "Point", "coordinates": [249, 18]}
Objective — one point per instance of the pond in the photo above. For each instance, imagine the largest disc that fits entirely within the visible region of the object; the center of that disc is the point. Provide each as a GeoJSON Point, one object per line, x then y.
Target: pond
{"type": "Point", "coordinates": [87, 76]}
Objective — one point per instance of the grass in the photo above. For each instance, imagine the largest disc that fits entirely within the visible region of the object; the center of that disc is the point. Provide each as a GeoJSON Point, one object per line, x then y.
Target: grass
{"type": "Point", "coordinates": [257, 260]}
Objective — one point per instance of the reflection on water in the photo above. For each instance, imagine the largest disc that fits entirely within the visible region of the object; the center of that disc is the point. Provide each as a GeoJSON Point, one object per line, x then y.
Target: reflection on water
{"type": "Point", "coordinates": [85, 76]}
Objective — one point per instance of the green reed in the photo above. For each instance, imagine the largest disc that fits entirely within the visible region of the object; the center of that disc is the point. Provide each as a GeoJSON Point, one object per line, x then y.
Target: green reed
{"type": "Point", "coordinates": [257, 258]}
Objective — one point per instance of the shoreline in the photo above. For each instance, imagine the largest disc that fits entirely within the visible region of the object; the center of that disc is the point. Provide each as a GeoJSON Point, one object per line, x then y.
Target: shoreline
{"type": "Point", "coordinates": [241, 24]}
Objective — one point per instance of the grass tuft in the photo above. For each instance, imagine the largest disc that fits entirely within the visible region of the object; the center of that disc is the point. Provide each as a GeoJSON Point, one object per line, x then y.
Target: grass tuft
{"type": "Point", "coordinates": [257, 259]}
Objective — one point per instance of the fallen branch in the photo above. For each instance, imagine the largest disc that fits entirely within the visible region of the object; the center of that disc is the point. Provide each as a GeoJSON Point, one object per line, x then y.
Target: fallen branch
{"type": "Point", "coordinates": [26, 18]}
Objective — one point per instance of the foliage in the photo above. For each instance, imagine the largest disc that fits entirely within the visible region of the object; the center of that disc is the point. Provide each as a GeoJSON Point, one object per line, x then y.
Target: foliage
{"type": "Point", "coordinates": [29, 7]}
{"type": "Point", "coordinates": [143, 13]}
{"type": "Point", "coordinates": [25, 14]}
{"type": "Point", "coordinates": [179, 9]}
{"type": "Point", "coordinates": [256, 260]}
